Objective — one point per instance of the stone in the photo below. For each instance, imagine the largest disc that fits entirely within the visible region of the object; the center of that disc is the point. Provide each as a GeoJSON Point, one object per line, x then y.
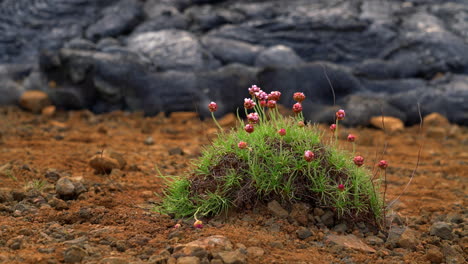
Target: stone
{"type": "Point", "coordinates": [299, 213]}
{"type": "Point", "coordinates": [392, 124]}
{"type": "Point", "coordinates": [453, 254]}
{"type": "Point", "coordinates": [74, 254]}
{"type": "Point", "coordinates": [58, 204]}
{"type": "Point", "coordinates": [107, 161]}
{"type": "Point", "coordinates": [278, 56]}
{"type": "Point", "coordinates": [255, 252]}
{"type": "Point", "coordinates": [149, 141]}
{"type": "Point", "coordinates": [176, 151]}
{"type": "Point", "coordinates": [434, 255]}
{"type": "Point", "coordinates": [303, 233]}
{"type": "Point", "coordinates": [229, 120]}
{"type": "Point", "coordinates": [374, 241]}
{"type": "Point", "coordinates": [231, 51]}
{"type": "Point", "coordinates": [52, 175]}
{"type": "Point", "coordinates": [34, 101]}
{"type": "Point", "coordinates": [340, 228]}
{"type": "Point", "coordinates": [15, 243]}
{"type": "Point", "coordinates": [232, 257]}
{"type": "Point", "coordinates": [436, 132]}
{"type": "Point", "coordinates": [48, 111]}
{"type": "Point", "coordinates": [65, 187]}
{"type": "Point", "coordinates": [442, 230]}
{"type": "Point", "coordinates": [436, 120]}
{"type": "Point", "coordinates": [114, 260]}
{"type": "Point", "coordinates": [349, 242]}
{"type": "Point", "coordinates": [188, 260]}
{"type": "Point", "coordinates": [213, 244]}
{"type": "Point", "coordinates": [172, 50]}
{"type": "Point", "coordinates": [328, 218]}
{"type": "Point", "coordinates": [394, 235]}
{"type": "Point", "coordinates": [277, 210]}
{"type": "Point", "coordinates": [408, 239]}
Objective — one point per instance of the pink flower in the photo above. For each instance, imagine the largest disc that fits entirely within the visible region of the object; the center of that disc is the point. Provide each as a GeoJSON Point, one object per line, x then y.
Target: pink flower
{"type": "Point", "coordinates": [351, 138]}
{"type": "Point", "coordinates": [340, 114]}
{"type": "Point", "coordinates": [358, 160]}
{"type": "Point", "coordinates": [282, 132]}
{"type": "Point", "coordinates": [177, 226]}
{"type": "Point", "coordinates": [198, 224]}
{"type": "Point", "coordinates": [299, 97]}
{"type": "Point", "coordinates": [249, 103]}
{"type": "Point", "coordinates": [242, 145]}
{"type": "Point", "coordinates": [271, 104]}
{"type": "Point", "coordinates": [333, 128]}
{"type": "Point", "coordinates": [309, 155]}
{"type": "Point", "coordinates": [275, 96]}
{"type": "Point", "coordinates": [253, 118]}
{"type": "Point", "coordinates": [261, 95]}
{"type": "Point", "coordinates": [297, 108]}
{"type": "Point", "coordinates": [263, 103]}
{"type": "Point", "coordinates": [254, 89]}
{"type": "Point", "coordinates": [301, 124]}
{"type": "Point", "coordinates": [212, 107]}
{"type": "Point", "coordinates": [383, 164]}
{"type": "Point", "coordinates": [249, 128]}
{"type": "Point", "coordinates": [341, 187]}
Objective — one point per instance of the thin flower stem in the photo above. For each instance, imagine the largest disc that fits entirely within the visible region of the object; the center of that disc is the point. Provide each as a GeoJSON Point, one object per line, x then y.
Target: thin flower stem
{"type": "Point", "coordinates": [216, 122]}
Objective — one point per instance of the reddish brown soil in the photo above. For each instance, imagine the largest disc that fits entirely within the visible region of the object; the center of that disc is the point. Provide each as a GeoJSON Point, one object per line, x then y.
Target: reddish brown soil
{"type": "Point", "coordinates": [118, 206]}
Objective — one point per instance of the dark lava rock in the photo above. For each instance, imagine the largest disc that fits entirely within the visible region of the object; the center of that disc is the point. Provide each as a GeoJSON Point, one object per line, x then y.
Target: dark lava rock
{"type": "Point", "coordinates": [74, 254]}
{"type": "Point", "coordinates": [172, 50]}
{"type": "Point", "coordinates": [231, 51]}
{"type": "Point", "coordinates": [116, 19]}
{"type": "Point", "coordinates": [442, 230]}
{"type": "Point", "coordinates": [278, 56]}
{"type": "Point", "coordinates": [303, 233]}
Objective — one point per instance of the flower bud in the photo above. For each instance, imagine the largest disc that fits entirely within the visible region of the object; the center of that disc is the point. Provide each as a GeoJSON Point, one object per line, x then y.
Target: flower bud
{"type": "Point", "coordinates": [358, 160]}
{"type": "Point", "coordinates": [282, 132]}
{"type": "Point", "coordinates": [309, 155]}
{"type": "Point", "coordinates": [198, 224]}
{"type": "Point", "coordinates": [253, 118]}
{"type": "Point", "coordinates": [299, 97]}
{"type": "Point", "coordinates": [263, 103]}
{"type": "Point", "coordinates": [333, 128]}
{"type": "Point", "coordinates": [383, 164]}
{"type": "Point", "coordinates": [249, 128]}
{"type": "Point", "coordinates": [254, 89]}
{"type": "Point", "coordinates": [340, 114]}
{"type": "Point", "coordinates": [177, 226]}
{"type": "Point", "coordinates": [301, 124]}
{"type": "Point", "coordinates": [297, 108]}
{"type": "Point", "coordinates": [351, 138]}
{"type": "Point", "coordinates": [275, 96]}
{"type": "Point", "coordinates": [249, 103]}
{"type": "Point", "coordinates": [242, 145]}
{"type": "Point", "coordinates": [271, 104]}
{"type": "Point", "coordinates": [212, 107]}
{"type": "Point", "coordinates": [341, 187]}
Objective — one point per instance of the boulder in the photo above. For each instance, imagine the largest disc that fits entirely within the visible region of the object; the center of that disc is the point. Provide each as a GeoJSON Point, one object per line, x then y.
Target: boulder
{"type": "Point", "coordinates": [278, 56]}
{"type": "Point", "coordinates": [231, 51]}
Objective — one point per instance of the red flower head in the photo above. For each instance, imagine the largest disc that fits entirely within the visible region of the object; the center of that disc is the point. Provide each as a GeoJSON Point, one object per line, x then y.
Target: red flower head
{"type": "Point", "coordinates": [242, 145]}
{"type": "Point", "coordinates": [351, 138]}
{"type": "Point", "coordinates": [301, 124]}
{"type": "Point", "coordinates": [358, 160]}
{"type": "Point", "coordinates": [341, 187]}
{"type": "Point", "coordinates": [309, 155]}
{"type": "Point", "coordinates": [263, 103]}
{"type": "Point", "coordinates": [299, 97]}
{"type": "Point", "coordinates": [297, 108]}
{"type": "Point", "coordinates": [275, 95]}
{"type": "Point", "coordinates": [340, 114]}
{"type": "Point", "coordinates": [271, 104]}
{"type": "Point", "coordinates": [212, 107]}
{"type": "Point", "coordinates": [253, 118]}
{"type": "Point", "coordinates": [333, 128]}
{"type": "Point", "coordinates": [254, 89]}
{"type": "Point", "coordinates": [198, 224]}
{"type": "Point", "coordinates": [249, 103]}
{"type": "Point", "coordinates": [383, 164]}
{"type": "Point", "coordinates": [249, 128]}
{"type": "Point", "coordinates": [261, 95]}
{"type": "Point", "coordinates": [282, 132]}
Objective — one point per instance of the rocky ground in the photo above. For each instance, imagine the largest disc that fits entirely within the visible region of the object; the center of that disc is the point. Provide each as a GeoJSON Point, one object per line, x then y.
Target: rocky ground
{"type": "Point", "coordinates": [55, 208]}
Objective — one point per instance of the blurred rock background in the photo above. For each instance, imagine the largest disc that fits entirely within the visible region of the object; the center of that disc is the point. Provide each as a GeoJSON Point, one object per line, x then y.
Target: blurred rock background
{"type": "Point", "coordinates": [177, 55]}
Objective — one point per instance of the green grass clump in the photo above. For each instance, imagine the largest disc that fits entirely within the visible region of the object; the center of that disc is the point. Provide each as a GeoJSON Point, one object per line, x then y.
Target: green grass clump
{"type": "Point", "coordinates": [272, 166]}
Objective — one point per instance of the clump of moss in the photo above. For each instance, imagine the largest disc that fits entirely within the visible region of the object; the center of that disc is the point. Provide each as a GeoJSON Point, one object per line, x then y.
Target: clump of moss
{"type": "Point", "coordinates": [274, 157]}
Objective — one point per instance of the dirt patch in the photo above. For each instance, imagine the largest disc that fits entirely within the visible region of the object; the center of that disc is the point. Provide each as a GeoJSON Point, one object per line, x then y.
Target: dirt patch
{"type": "Point", "coordinates": [113, 217]}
